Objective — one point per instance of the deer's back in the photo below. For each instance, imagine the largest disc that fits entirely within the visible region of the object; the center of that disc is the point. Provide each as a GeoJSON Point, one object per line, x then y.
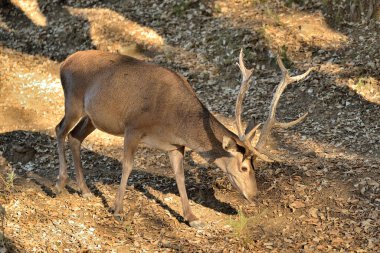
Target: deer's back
{"type": "Point", "coordinates": [118, 91]}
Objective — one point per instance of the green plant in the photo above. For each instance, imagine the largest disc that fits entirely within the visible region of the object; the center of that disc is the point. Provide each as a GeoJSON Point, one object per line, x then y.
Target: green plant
{"type": "Point", "coordinates": [128, 228]}
{"type": "Point", "coordinates": [361, 82]}
{"type": "Point", "coordinates": [239, 226]}
{"type": "Point", "coordinates": [11, 178]}
{"type": "Point", "coordinates": [8, 181]}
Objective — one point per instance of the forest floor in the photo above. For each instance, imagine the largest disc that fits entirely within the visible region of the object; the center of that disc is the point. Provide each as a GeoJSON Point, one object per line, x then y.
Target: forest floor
{"type": "Point", "coordinates": [324, 198]}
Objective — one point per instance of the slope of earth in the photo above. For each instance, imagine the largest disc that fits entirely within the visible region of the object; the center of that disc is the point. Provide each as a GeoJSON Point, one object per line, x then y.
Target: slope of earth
{"type": "Point", "coordinates": [324, 198]}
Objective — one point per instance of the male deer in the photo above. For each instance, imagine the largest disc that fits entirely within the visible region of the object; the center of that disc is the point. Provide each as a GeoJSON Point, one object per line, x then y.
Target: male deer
{"type": "Point", "coordinates": [147, 103]}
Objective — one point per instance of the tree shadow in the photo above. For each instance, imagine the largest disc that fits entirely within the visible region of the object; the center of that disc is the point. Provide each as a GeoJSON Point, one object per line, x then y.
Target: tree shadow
{"type": "Point", "coordinates": [11, 246]}
{"type": "Point", "coordinates": [64, 32]}
{"type": "Point", "coordinates": [61, 31]}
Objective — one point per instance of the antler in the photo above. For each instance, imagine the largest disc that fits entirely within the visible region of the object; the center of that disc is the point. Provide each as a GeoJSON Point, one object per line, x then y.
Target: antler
{"type": "Point", "coordinates": [246, 74]}
{"type": "Point", "coordinates": [272, 122]}
{"type": "Point", "coordinates": [247, 135]}
{"type": "Point", "coordinates": [243, 136]}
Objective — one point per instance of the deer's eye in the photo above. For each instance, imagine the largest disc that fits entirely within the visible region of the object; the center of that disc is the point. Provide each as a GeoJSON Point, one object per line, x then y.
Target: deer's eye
{"type": "Point", "coordinates": [244, 169]}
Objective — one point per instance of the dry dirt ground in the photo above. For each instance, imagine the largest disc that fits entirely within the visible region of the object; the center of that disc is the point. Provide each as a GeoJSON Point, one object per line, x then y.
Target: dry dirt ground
{"type": "Point", "coordinates": [324, 198]}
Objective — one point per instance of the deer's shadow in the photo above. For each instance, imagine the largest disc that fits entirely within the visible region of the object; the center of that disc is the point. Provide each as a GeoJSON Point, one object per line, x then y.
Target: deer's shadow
{"type": "Point", "coordinates": [105, 170]}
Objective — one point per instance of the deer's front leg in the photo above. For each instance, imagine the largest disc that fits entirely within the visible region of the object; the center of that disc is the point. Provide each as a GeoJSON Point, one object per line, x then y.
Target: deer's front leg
{"type": "Point", "coordinates": [131, 141]}
{"type": "Point", "coordinates": [176, 159]}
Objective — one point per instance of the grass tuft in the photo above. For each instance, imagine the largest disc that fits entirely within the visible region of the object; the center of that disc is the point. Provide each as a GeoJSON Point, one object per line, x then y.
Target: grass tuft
{"type": "Point", "coordinates": [239, 226]}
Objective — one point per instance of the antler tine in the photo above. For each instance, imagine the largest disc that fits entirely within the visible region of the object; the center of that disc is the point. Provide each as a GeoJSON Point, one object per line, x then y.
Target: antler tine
{"type": "Point", "coordinates": [263, 156]}
{"type": "Point", "coordinates": [252, 132]}
{"type": "Point", "coordinates": [281, 65]}
{"type": "Point", "coordinates": [291, 123]}
{"type": "Point", "coordinates": [246, 73]}
{"type": "Point", "coordinates": [266, 156]}
{"type": "Point", "coordinates": [302, 76]}
{"type": "Point", "coordinates": [271, 122]}
{"type": "Point", "coordinates": [285, 72]}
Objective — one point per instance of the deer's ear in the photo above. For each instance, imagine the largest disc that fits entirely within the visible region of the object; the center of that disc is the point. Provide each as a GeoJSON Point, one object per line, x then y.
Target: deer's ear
{"type": "Point", "coordinates": [229, 144]}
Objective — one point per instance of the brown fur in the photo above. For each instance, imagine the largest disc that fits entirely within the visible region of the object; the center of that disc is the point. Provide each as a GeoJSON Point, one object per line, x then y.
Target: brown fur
{"type": "Point", "coordinates": [143, 102]}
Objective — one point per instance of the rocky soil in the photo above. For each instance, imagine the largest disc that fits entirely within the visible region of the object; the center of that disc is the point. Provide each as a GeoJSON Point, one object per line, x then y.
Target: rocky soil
{"type": "Point", "coordinates": [324, 198]}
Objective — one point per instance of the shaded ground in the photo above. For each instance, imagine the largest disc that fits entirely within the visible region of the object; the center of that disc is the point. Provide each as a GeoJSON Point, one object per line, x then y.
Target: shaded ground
{"type": "Point", "coordinates": [325, 198]}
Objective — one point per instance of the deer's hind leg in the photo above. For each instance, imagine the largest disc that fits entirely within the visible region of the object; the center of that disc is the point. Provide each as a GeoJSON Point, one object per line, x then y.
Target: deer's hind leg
{"type": "Point", "coordinates": [131, 141]}
{"type": "Point", "coordinates": [62, 129]}
{"type": "Point", "coordinates": [76, 137]}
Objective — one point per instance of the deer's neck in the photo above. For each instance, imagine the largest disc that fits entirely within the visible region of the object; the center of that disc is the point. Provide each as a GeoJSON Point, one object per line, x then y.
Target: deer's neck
{"type": "Point", "coordinates": [207, 137]}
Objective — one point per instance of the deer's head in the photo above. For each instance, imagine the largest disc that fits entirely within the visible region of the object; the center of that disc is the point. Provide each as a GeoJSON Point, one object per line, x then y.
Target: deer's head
{"type": "Point", "coordinates": [239, 164]}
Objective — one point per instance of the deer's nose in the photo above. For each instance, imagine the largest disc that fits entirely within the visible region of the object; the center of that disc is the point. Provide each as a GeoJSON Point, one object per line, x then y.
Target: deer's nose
{"type": "Point", "coordinates": [251, 196]}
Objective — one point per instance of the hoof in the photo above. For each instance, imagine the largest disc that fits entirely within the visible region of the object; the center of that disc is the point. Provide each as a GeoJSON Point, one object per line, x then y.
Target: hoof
{"type": "Point", "coordinates": [118, 217]}
{"type": "Point", "coordinates": [60, 184]}
{"type": "Point", "coordinates": [197, 224]}
{"type": "Point", "coordinates": [58, 189]}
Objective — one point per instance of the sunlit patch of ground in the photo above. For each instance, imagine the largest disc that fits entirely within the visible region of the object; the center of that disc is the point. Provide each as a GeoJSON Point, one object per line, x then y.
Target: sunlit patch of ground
{"type": "Point", "coordinates": [26, 79]}
{"type": "Point", "coordinates": [366, 86]}
{"type": "Point", "coordinates": [311, 29]}
{"type": "Point", "coordinates": [295, 30]}
{"type": "Point", "coordinates": [331, 68]}
{"type": "Point", "coordinates": [110, 31]}
{"type": "Point", "coordinates": [324, 151]}
{"type": "Point", "coordinates": [289, 28]}
{"type": "Point", "coordinates": [31, 9]}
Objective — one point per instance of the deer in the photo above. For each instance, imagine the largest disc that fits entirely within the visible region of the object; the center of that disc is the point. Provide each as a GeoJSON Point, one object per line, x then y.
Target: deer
{"type": "Point", "coordinates": [148, 103]}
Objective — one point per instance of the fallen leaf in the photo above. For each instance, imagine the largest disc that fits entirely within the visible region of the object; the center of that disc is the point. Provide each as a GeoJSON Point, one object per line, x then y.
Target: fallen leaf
{"type": "Point", "coordinates": [313, 212]}
{"type": "Point", "coordinates": [296, 205]}
{"type": "Point", "coordinates": [337, 241]}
